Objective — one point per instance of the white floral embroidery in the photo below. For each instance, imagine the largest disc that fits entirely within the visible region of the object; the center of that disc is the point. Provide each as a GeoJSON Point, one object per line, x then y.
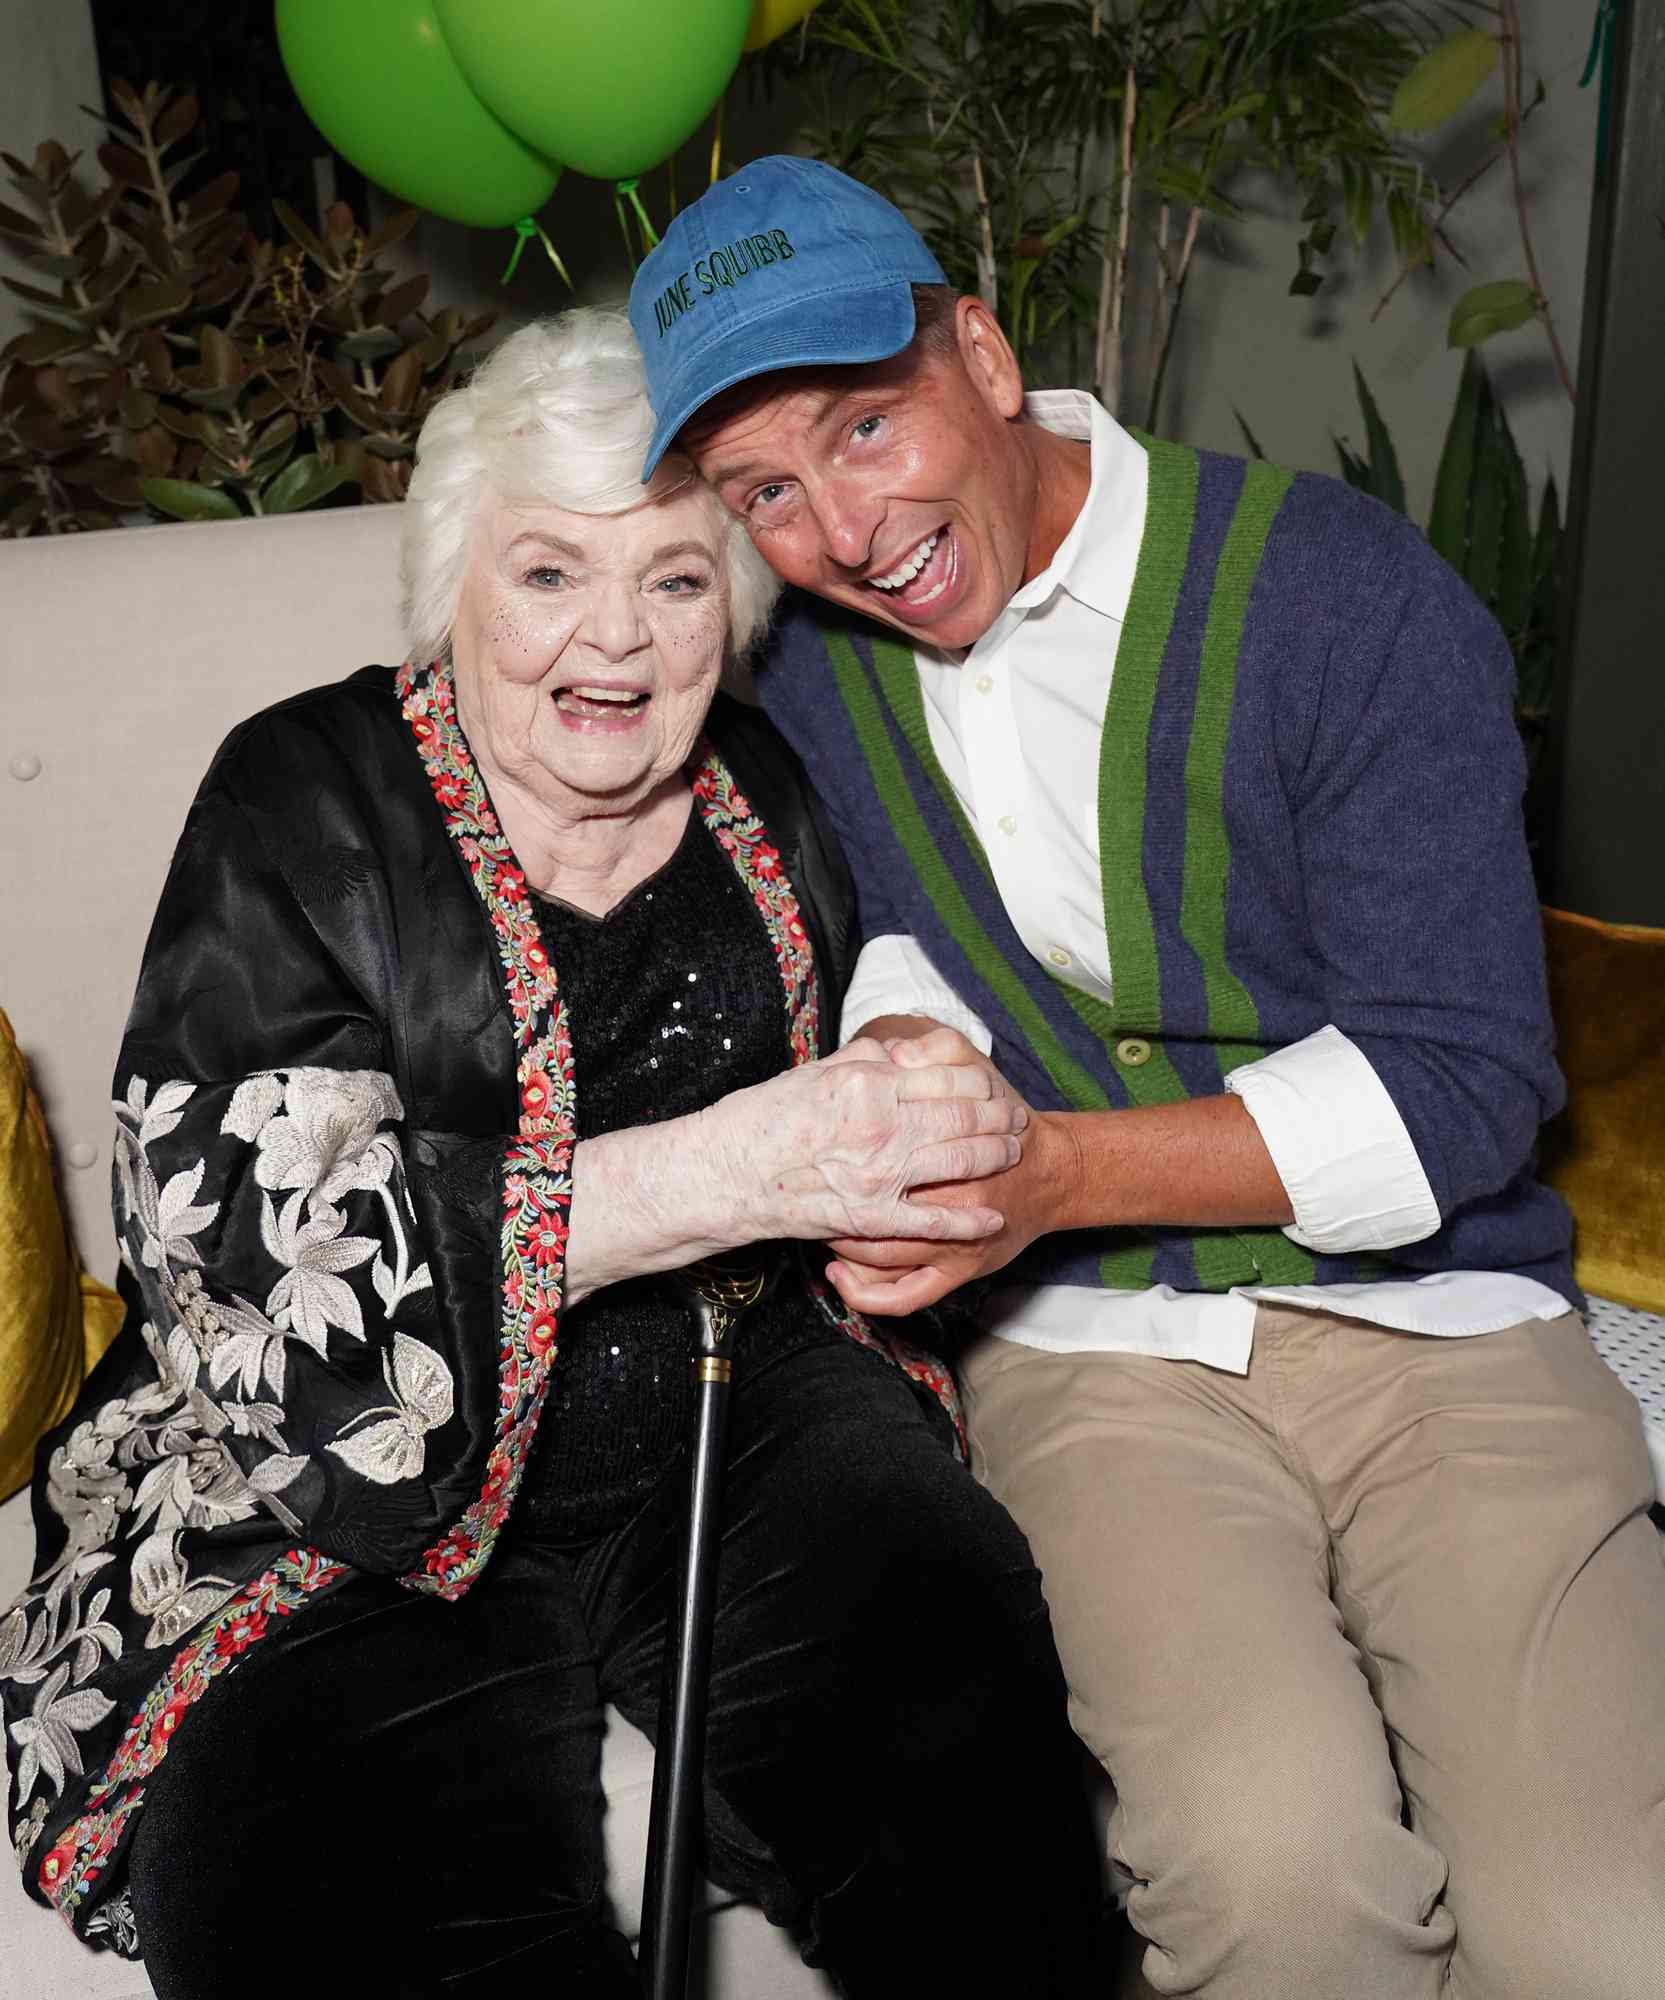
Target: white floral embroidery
{"type": "Point", "coordinates": [162, 1591]}
{"type": "Point", "coordinates": [155, 1464]}
{"type": "Point", "coordinates": [310, 1297]}
{"type": "Point", "coordinates": [28, 1831]}
{"type": "Point", "coordinates": [324, 1140]}
{"type": "Point", "coordinates": [46, 1738]}
{"type": "Point", "coordinates": [423, 1395]}
{"type": "Point", "coordinates": [114, 1919]}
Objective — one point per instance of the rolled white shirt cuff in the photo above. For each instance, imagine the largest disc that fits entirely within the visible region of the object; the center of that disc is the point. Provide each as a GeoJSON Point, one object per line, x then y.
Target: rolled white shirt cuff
{"type": "Point", "coordinates": [1340, 1147]}
{"type": "Point", "coordinates": [893, 976]}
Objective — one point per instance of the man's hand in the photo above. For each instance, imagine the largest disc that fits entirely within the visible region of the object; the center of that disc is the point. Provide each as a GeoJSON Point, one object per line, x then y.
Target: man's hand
{"type": "Point", "coordinates": [901, 1275]}
{"type": "Point", "coordinates": [1200, 1163]}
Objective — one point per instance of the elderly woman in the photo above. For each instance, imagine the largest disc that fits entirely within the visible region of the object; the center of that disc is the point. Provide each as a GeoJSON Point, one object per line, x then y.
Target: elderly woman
{"type": "Point", "coordinates": [483, 996]}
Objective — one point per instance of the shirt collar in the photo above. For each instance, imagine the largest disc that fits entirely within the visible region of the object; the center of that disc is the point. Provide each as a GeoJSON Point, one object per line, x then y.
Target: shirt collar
{"type": "Point", "coordinates": [1096, 560]}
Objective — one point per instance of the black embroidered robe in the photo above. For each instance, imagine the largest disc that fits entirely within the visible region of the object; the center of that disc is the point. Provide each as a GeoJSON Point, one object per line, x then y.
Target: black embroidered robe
{"type": "Point", "coordinates": [343, 1171]}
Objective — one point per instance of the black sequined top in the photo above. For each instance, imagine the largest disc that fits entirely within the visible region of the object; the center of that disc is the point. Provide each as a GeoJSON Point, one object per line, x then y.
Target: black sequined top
{"type": "Point", "coordinates": [673, 999]}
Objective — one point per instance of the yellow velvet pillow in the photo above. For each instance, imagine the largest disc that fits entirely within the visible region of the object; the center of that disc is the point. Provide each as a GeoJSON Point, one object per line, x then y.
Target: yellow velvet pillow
{"type": "Point", "coordinates": [54, 1320]}
{"type": "Point", "coordinates": [1606, 1152]}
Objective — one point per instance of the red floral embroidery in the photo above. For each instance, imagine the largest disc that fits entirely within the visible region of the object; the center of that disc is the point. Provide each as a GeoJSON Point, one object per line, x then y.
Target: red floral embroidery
{"type": "Point", "coordinates": [537, 1179]}
{"type": "Point", "coordinates": [239, 1637]}
{"type": "Point", "coordinates": [57, 1862]}
{"type": "Point", "coordinates": [216, 1647]}
{"type": "Point", "coordinates": [741, 835]}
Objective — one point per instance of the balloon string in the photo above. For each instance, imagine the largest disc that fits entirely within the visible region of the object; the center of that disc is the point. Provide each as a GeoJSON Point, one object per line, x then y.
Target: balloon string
{"type": "Point", "coordinates": [624, 229]}
{"type": "Point", "coordinates": [717, 140]}
{"type": "Point", "coordinates": [525, 229]}
{"type": "Point", "coordinates": [650, 235]}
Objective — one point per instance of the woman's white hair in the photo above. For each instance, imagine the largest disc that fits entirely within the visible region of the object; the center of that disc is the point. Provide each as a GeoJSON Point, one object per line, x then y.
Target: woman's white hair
{"type": "Point", "coordinates": [557, 415]}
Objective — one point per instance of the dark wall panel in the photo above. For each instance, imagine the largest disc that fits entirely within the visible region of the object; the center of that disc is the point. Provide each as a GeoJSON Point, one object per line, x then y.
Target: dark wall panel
{"type": "Point", "coordinates": [1609, 851]}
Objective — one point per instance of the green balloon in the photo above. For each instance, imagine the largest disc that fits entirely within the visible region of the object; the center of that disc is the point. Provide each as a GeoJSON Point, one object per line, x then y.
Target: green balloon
{"type": "Point", "coordinates": [610, 87]}
{"type": "Point", "coordinates": [379, 82]}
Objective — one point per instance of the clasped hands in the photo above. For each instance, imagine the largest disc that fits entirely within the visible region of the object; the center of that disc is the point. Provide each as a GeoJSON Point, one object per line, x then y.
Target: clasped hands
{"type": "Point", "coordinates": [900, 1274]}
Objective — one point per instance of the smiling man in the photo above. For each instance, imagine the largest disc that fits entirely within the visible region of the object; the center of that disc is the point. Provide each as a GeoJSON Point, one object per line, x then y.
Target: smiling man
{"type": "Point", "coordinates": [1189, 793]}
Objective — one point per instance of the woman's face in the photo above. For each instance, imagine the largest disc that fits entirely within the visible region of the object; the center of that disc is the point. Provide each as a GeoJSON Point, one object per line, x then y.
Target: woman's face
{"type": "Point", "coordinates": [587, 647]}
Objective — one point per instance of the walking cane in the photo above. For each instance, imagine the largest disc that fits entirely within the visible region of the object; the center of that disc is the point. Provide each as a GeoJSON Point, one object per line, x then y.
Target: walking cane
{"type": "Point", "coordinates": [718, 1297]}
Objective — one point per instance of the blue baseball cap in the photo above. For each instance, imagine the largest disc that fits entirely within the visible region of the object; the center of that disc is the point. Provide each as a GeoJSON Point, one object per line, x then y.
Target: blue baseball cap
{"type": "Point", "coordinates": [786, 264]}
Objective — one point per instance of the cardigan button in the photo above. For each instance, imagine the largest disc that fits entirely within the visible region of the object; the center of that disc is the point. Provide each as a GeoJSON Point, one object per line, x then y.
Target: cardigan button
{"type": "Point", "coordinates": [1133, 1050]}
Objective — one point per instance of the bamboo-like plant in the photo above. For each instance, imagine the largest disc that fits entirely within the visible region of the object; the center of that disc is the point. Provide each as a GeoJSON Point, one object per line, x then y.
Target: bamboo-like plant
{"type": "Point", "coordinates": [1064, 156]}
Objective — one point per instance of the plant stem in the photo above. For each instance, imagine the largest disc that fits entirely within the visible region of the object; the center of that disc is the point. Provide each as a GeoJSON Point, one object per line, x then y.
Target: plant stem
{"type": "Point", "coordinates": [1159, 291]}
{"type": "Point", "coordinates": [1471, 179]}
{"type": "Point", "coordinates": [1511, 39]}
{"type": "Point", "coordinates": [1081, 194]}
{"type": "Point", "coordinates": [1171, 318]}
{"type": "Point", "coordinates": [988, 276]}
{"type": "Point", "coordinates": [1113, 283]}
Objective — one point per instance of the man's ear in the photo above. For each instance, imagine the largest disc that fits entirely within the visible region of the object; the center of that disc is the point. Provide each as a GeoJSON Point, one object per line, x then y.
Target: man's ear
{"type": "Point", "coordinates": [986, 354]}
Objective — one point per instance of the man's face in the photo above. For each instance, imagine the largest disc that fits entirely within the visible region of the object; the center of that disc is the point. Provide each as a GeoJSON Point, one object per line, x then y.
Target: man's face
{"type": "Point", "coordinates": [900, 488]}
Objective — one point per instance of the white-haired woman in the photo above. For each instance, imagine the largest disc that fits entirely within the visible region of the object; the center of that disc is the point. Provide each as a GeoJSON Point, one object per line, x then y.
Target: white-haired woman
{"type": "Point", "coordinates": [483, 996]}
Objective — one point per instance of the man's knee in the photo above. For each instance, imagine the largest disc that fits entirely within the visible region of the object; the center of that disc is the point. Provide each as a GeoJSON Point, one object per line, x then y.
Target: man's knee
{"type": "Point", "coordinates": [1573, 1923]}
{"type": "Point", "coordinates": [1270, 1896]}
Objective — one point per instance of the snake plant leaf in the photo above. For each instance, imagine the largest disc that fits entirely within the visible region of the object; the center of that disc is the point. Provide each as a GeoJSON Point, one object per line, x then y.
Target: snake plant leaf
{"type": "Point", "coordinates": [1496, 308]}
{"type": "Point", "coordinates": [1513, 596]}
{"type": "Point", "coordinates": [1535, 655]}
{"type": "Point", "coordinates": [1386, 481]}
{"type": "Point", "coordinates": [187, 501]}
{"type": "Point", "coordinates": [1488, 503]}
{"type": "Point", "coordinates": [1249, 437]}
{"type": "Point", "coordinates": [1444, 81]}
{"type": "Point", "coordinates": [1454, 483]}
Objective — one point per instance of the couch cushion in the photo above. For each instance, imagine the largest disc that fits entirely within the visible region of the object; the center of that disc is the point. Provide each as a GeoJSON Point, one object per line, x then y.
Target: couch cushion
{"type": "Point", "coordinates": [126, 658]}
{"type": "Point", "coordinates": [1606, 1151]}
{"type": "Point", "coordinates": [51, 1329]}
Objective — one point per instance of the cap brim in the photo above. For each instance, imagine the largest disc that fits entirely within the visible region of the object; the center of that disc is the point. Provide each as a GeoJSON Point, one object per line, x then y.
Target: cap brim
{"type": "Point", "coordinates": [825, 330]}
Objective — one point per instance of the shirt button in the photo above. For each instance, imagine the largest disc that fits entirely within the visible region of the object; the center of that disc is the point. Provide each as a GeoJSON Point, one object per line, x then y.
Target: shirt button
{"type": "Point", "coordinates": [1133, 1050]}
{"type": "Point", "coordinates": [985, 683]}
{"type": "Point", "coordinates": [1058, 957]}
{"type": "Point", "coordinates": [1006, 823]}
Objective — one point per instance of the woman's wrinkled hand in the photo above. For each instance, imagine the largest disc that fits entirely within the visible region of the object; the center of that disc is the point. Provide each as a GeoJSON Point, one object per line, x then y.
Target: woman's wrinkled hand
{"type": "Point", "coordinates": [835, 1149]}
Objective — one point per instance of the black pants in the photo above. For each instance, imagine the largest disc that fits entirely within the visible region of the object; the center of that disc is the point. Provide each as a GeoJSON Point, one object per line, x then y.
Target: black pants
{"type": "Point", "coordinates": [403, 1798]}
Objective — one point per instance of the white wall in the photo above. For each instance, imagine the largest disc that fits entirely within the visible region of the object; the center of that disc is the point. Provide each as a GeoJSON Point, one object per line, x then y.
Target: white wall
{"type": "Point", "coordinates": [48, 70]}
{"type": "Point", "coordinates": [1287, 363]}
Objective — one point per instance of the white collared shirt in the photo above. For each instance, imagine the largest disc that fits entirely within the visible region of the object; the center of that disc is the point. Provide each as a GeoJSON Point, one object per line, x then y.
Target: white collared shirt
{"type": "Point", "coordinates": [1016, 727]}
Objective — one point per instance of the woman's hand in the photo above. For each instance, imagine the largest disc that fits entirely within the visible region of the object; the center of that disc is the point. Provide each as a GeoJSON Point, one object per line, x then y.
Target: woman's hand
{"type": "Point", "coordinates": [903, 1276]}
{"type": "Point", "coordinates": [835, 1148]}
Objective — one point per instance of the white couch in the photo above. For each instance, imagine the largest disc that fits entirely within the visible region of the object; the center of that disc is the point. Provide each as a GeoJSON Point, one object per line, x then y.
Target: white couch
{"type": "Point", "coordinates": [124, 659]}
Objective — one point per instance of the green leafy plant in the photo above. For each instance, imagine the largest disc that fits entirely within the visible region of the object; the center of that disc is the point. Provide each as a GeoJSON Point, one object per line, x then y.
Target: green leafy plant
{"type": "Point", "coordinates": [1064, 156]}
{"type": "Point", "coordinates": [174, 363]}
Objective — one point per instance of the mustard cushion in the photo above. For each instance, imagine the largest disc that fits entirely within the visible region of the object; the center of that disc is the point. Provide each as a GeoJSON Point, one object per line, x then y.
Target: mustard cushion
{"type": "Point", "coordinates": [54, 1320]}
{"type": "Point", "coordinates": [1606, 1152]}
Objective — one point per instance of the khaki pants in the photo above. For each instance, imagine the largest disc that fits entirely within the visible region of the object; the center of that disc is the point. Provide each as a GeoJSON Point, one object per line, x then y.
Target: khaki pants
{"type": "Point", "coordinates": [1371, 1642]}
